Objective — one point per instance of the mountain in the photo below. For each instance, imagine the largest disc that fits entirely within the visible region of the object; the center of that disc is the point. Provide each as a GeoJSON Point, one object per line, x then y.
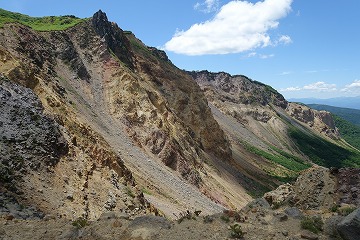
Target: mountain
{"type": "Point", "coordinates": [131, 121]}
{"type": "Point", "coordinates": [342, 102]}
{"type": "Point", "coordinates": [346, 120]}
{"type": "Point", "coordinates": [268, 133]}
{"type": "Point", "coordinates": [94, 121]}
{"type": "Point", "coordinates": [349, 114]}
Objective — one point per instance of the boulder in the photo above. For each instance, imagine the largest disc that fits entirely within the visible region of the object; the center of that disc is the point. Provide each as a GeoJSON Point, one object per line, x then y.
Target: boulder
{"type": "Point", "coordinates": [349, 227]}
{"type": "Point", "coordinates": [305, 234]}
{"type": "Point", "coordinates": [280, 195]}
{"type": "Point", "coordinates": [293, 212]}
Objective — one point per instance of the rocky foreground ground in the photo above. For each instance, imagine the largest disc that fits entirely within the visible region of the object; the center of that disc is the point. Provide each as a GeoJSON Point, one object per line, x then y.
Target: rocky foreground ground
{"type": "Point", "coordinates": [321, 204]}
{"type": "Point", "coordinates": [256, 221]}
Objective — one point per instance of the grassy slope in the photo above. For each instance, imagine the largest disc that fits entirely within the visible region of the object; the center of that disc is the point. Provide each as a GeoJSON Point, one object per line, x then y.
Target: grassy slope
{"type": "Point", "coordinates": [51, 23]}
{"type": "Point", "coordinates": [348, 131]}
{"type": "Point", "coordinates": [323, 152]}
{"type": "Point", "coordinates": [347, 120]}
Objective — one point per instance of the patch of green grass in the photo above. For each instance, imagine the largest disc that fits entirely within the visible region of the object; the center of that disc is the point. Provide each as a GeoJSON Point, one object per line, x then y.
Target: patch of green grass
{"type": "Point", "coordinates": [346, 211]}
{"type": "Point", "coordinates": [348, 131]}
{"type": "Point", "coordinates": [284, 159]}
{"type": "Point", "coordinates": [146, 191]}
{"type": "Point", "coordinates": [51, 23]}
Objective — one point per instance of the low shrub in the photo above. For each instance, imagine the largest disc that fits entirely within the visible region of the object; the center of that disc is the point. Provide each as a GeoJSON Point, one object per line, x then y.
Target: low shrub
{"type": "Point", "coordinates": [313, 224]}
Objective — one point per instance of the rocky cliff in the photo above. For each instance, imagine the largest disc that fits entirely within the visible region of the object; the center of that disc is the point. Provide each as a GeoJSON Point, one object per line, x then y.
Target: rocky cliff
{"type": "Point", "coordinates": [123, 128]}
{"type": "Point", "coordinates": [93, 120]}
{"type": "Point", "coordinates": [270, 137]}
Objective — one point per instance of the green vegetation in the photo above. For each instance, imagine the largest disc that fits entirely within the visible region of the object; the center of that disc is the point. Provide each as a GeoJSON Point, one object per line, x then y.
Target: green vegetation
{"type": "Point", "coordinates": [80, 223]}
{"type": "Point", "coordinates": [138, 46]}
{"type": "Point", "coordinates": [313, 224]}
{"type": "Point", "coordinates": [146, 191]}
{"type": "Point", "coordinates": [323, 152]}
{"type": "Point", "coordinates": [348, 131]}
{"type": "Point", "coordinates": [236, 231]}
{"type": "Point", "coordinates": [347, 120]}
{"type": "Point", "coordinates": [225, 218]}
{"type": "Point", "coordinates": [129, 192]}
{"type": "Point", "coordinates": [51, 23]}
{"type": "Point", "coordinates": [284, 159]}
{"type": "Point", "coordinates": [346, 210]}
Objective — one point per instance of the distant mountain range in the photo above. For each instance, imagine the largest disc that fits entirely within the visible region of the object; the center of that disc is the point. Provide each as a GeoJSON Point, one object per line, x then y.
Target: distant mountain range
{"type": "Point", "coordinates": [344, 102]}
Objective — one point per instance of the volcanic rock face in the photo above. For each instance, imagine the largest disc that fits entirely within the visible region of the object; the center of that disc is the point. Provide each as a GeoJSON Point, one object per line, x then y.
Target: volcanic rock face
{"type": "Point", "coordinates": [29, 138]}
{"type": "Point", "coordinates": [238, 89]}
{"type": "Point", "coordinates": [107, 101]}
{"type": "Point", "coordinates": [113, 36]}
{"type": "Point", "coordinates": [257, 119]}
{"type": "Point", "coordinates": [321, 121]}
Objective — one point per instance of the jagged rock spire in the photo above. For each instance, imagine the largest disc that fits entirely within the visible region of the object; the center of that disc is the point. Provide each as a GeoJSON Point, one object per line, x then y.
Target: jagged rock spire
{"type": "Point", "coordinates": [114, 37]}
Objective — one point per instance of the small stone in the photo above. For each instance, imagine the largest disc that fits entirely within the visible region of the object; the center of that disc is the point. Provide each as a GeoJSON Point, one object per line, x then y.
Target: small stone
{"type": "Point", "coordinates": [9, 217]}
{"type": "Point", "coordinates": [117, 223]}
{"type": "Point", "coordinates": [264, 222]}
{"type": "Point", "coordinates": [49, 217]}
{"type": "Point", "coordinates": [281, 216]}
{"type": "Point", "coordinates": [309, 235]}
{"type": "Point", "coordinates": [293, 212]}
{"type": "Point", "coordinates": [107, 215]}
{"type": "Point", "coordinates": [285, 233]}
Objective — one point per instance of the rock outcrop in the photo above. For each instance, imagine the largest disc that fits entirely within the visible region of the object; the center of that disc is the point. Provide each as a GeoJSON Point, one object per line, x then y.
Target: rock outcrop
{"type": "Point", "coordinates": [239, 89]}
{"type": "Point", "coordinates": [349, 227]}
{"type": "Point", "coordinates": [30, 139]}
{"type": "Point", "coordinates": [113, 36]}
{"type": "Point", "coordinates": [321, 121]}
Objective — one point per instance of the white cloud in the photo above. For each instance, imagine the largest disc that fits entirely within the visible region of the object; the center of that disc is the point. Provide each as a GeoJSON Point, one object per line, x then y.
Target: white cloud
{"type": "Point", "coordinates": [291, 89]}
{"type": "Point", "coordinates": [238, 26]}
{"type": "Point", "coordinates": [353, 87]}
{"type": "Point", "coordinates": [285, 73]}
{"type": "Point", "coordinates": [262, 56]}
{"type": "Point", "coordinates": [252, 54]}
{"type": "Point", "coordinates": [285, 39]}
{"type": "Point", "coordinates": [207, 6]}
{"type": "Point", "coordinates": [320, 86]}
{"type": "Point", "coordinates": [314, 87]}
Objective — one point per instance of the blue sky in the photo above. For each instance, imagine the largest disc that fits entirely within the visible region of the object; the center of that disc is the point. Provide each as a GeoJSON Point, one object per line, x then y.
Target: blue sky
{"type": "Point", "coordinates": [302, 48]}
